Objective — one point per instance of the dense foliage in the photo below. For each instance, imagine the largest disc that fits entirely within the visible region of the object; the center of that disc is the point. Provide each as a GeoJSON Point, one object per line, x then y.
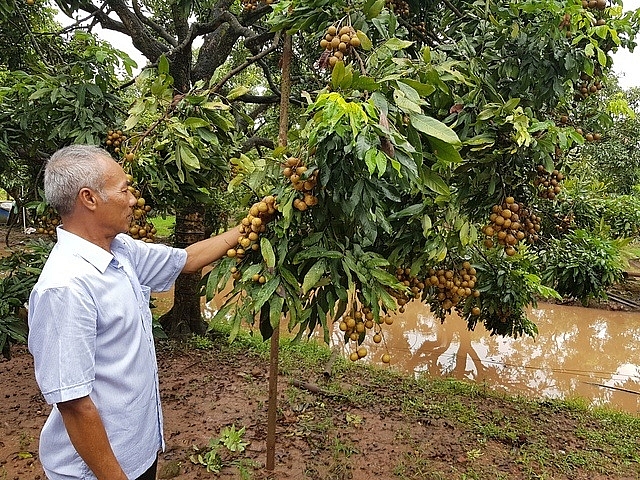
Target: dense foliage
{"type": "Point", "coordinates": [418, 145]}
{"type": "Point", "coordinates": [19, 272]}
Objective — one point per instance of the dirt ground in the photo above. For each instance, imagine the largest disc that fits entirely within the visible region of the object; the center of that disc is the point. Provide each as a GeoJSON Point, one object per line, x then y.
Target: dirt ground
{"type": "Point", "coordinates": [203, 392]}
{"type": "Point", "coordinates": [319, 437]}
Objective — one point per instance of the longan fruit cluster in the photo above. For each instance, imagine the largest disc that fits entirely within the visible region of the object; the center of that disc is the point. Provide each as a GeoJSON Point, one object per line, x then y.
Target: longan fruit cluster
{"type": "Point", "coordinates": [258, 278]}
{"type": "Point", "coordinates": [115, 139]}
{"type": "Point", "coordinates": [593, 137]}
{"type": "Point", "coordinates": [563, 222]}
{"type": "Point", "coordinates": [548, 184]}
{"type": "Point", "coordinates": [453, 286]}
{"type": "Point", "coordinates": [588, 85]}
{"type": "Point", "coordinates": [356, 325]}
{"type": "Point", "coordinates": [140, 228]}
{"type": "Point", "coordinates": [399, 7]}
{"type": "Point", "coordinates": [412, 282]}
{"type": "Point", "coordinates": [510, 223]}
{"type": "Point", "coordinates": [420, 27]}
{"type": "Point", "coordinates": [586, 88]}
{"type": "Point", "coordinates": [594, 4]}
{"type": "Point", "coordinates": [590, 136]}
{"type": "Point", "coordinates": [250, 5]}
{"type": "Point", "coordinates": [303, 181]}
{"type": "Point", "coordinates": [337, 43]}
{"type": "Point", "coordinates": [565, 22]}
{"type": "Point", "coordinates": [47, 222]}
{"type": "Point", "coordinates": [252, 226]}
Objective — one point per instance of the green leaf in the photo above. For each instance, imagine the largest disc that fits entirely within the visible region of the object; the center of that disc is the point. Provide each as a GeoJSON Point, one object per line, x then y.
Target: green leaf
{"type": "Point", "coordinates": [314, 274]}
{"type": "Point", "coordinates": [347, 78]}
{"type": "Point", "coordinates": [265, 292]}
{"type": "Point", "coordinates": [267, 252]}
{"type": "Point", "coordinates": [484, 139]}
{"type": "Point", "coordinates": [316, 252]}
{"type": "Point", "coordinates": [387, 300]}
{"type": "Point", "coordinates": [275, 311]}
{"type": "Point", "coordinates": [405, 104]}
{"type": "Point", "coordinates": [396, 44]}
{"type": "Point", "coordinates": [187, 156]}
{"type": "Point", "coordinates": [409, 211]}
{"type": "Point", "coordinates": [434, 128]}
{"type": "Point", "coordinates": [385, 278]}
{"type": "Point", "coordinates": [215, 106]}
{"type": "Point", "coordinates": [381, 163]}
{"type": "Point", "coordinates": [434, 182]}
{"type": "Point", "coordinates": [373, 8]}
{"type": "Point", "coordinates": [195, 122]}
{"type": "Point", "coordinates": [422, 88]}
{"type": "Point", "coordinates": [370, 160]}
{"type": "Point", "coordinates": [426, 225]}
{"type": "Point", "coordinates": [464, 233]}
{"type": "Point", "coordinates": [441, 254]}
{"type": "Point", "coordinates": [361, 82]}
{"type": "Point", "coordinates": [39, 93]}
{"type": "Point", "coordinates": [487, 113]}
{"type": "Point", "coordinates": [365, 42]}
{"type": "Point", "coordinates": [237, 92]}
{"type": "Point", "coordinates": [221, 315]}
{"type": "Point", "coordinates": [510, 105]}
{"type": "Point", "coordinates": [290, 279]}
{"type": "Point", "coordinates": [163, 65]}
{"type": "Point", "coordinates": [602, 57]}
{"type": "Point", "coordinates": [445, 151]}
{"type": "Point", "coordinates": [337, 74]}
{"type": "Point", "coordinates": [131, 122]}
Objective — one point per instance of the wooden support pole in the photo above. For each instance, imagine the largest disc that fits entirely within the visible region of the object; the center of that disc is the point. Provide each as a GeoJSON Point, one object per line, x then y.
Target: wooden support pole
{"type": "Point", "coordinates": [273, 400]}
{"type": "Point", "coordinates": [285, 89]}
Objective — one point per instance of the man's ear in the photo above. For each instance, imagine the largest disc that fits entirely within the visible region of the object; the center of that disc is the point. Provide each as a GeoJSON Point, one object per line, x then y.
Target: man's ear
{"type": "Point", "coordinates": [88, 198]}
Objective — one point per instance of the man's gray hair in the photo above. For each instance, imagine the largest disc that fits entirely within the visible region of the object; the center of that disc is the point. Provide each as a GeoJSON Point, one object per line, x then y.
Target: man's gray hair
{"type": "Point", "coordinates": [71, 169]}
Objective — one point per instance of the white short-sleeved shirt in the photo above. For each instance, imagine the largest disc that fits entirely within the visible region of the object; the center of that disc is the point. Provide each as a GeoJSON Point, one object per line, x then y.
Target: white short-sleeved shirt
{"type": "Point", "coordinates": [90, 334]}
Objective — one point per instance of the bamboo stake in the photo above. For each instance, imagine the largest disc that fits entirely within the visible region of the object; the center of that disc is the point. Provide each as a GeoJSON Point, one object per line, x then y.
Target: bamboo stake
{"type": "Point", "coordinates": [275, 336]}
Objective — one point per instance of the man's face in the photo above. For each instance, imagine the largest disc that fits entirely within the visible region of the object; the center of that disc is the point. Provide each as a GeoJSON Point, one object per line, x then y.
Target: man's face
{"type": "Point", "coordinates": [115, 210]}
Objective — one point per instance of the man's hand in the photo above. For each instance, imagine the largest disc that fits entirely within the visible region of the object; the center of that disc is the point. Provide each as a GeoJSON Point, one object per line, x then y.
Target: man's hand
{"type": "Point", "coordinates": [88, 436]}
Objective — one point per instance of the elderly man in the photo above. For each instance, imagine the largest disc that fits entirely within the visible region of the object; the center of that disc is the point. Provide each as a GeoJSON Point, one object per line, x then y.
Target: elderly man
{"type": "Point", "coordinates": [90, 323]}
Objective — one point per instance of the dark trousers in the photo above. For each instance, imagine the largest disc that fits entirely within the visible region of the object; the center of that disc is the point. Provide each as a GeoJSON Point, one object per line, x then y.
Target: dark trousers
{"type": "Point", "coordinates": [151, 473]}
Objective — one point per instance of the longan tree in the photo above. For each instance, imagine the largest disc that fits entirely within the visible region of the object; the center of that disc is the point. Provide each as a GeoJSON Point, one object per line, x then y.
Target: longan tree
{"type": "Point", "coordinates": [426, 165]}
{"type": "Point", "coordinates": [54, 91]}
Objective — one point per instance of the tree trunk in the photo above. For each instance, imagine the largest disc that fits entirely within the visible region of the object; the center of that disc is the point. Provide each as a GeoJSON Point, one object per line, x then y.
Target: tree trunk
{"type": "Point", "coordinates": [185, 317]}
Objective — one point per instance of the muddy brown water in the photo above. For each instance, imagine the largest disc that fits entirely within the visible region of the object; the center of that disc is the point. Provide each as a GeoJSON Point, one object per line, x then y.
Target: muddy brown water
{"type": "Point", "coordinates": [578, 353]}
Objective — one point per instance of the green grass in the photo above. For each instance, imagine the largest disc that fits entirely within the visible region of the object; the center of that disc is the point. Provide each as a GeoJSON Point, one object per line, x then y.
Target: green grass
{"type": "Point", "coordinates": [164, 225]}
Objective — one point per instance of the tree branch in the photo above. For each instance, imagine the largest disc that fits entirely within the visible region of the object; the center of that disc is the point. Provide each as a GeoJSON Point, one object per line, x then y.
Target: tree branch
{"type": "Point", "coordinates": [452, 7]}
{"type": "Point", "coordinates": [256, 142]}
{"type": "Point", "coordinates": [132, 26]}
{"type": "Point", "coordinates": [199, 29]}
{"type": "Point", "coordinates": [153, 25]}
{"type": "Point", "coordinates": [78, 23]}
{"type": "Point", "coordinates": [250, 61]}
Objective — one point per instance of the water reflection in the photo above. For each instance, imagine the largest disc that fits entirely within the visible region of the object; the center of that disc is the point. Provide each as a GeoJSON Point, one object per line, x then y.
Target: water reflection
{"type": "Point", "coordinates": [579, 352]}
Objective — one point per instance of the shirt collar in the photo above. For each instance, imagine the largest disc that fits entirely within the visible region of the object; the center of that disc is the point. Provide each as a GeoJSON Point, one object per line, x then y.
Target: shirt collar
{"type": "Point", "coordinates": [93, 254]}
